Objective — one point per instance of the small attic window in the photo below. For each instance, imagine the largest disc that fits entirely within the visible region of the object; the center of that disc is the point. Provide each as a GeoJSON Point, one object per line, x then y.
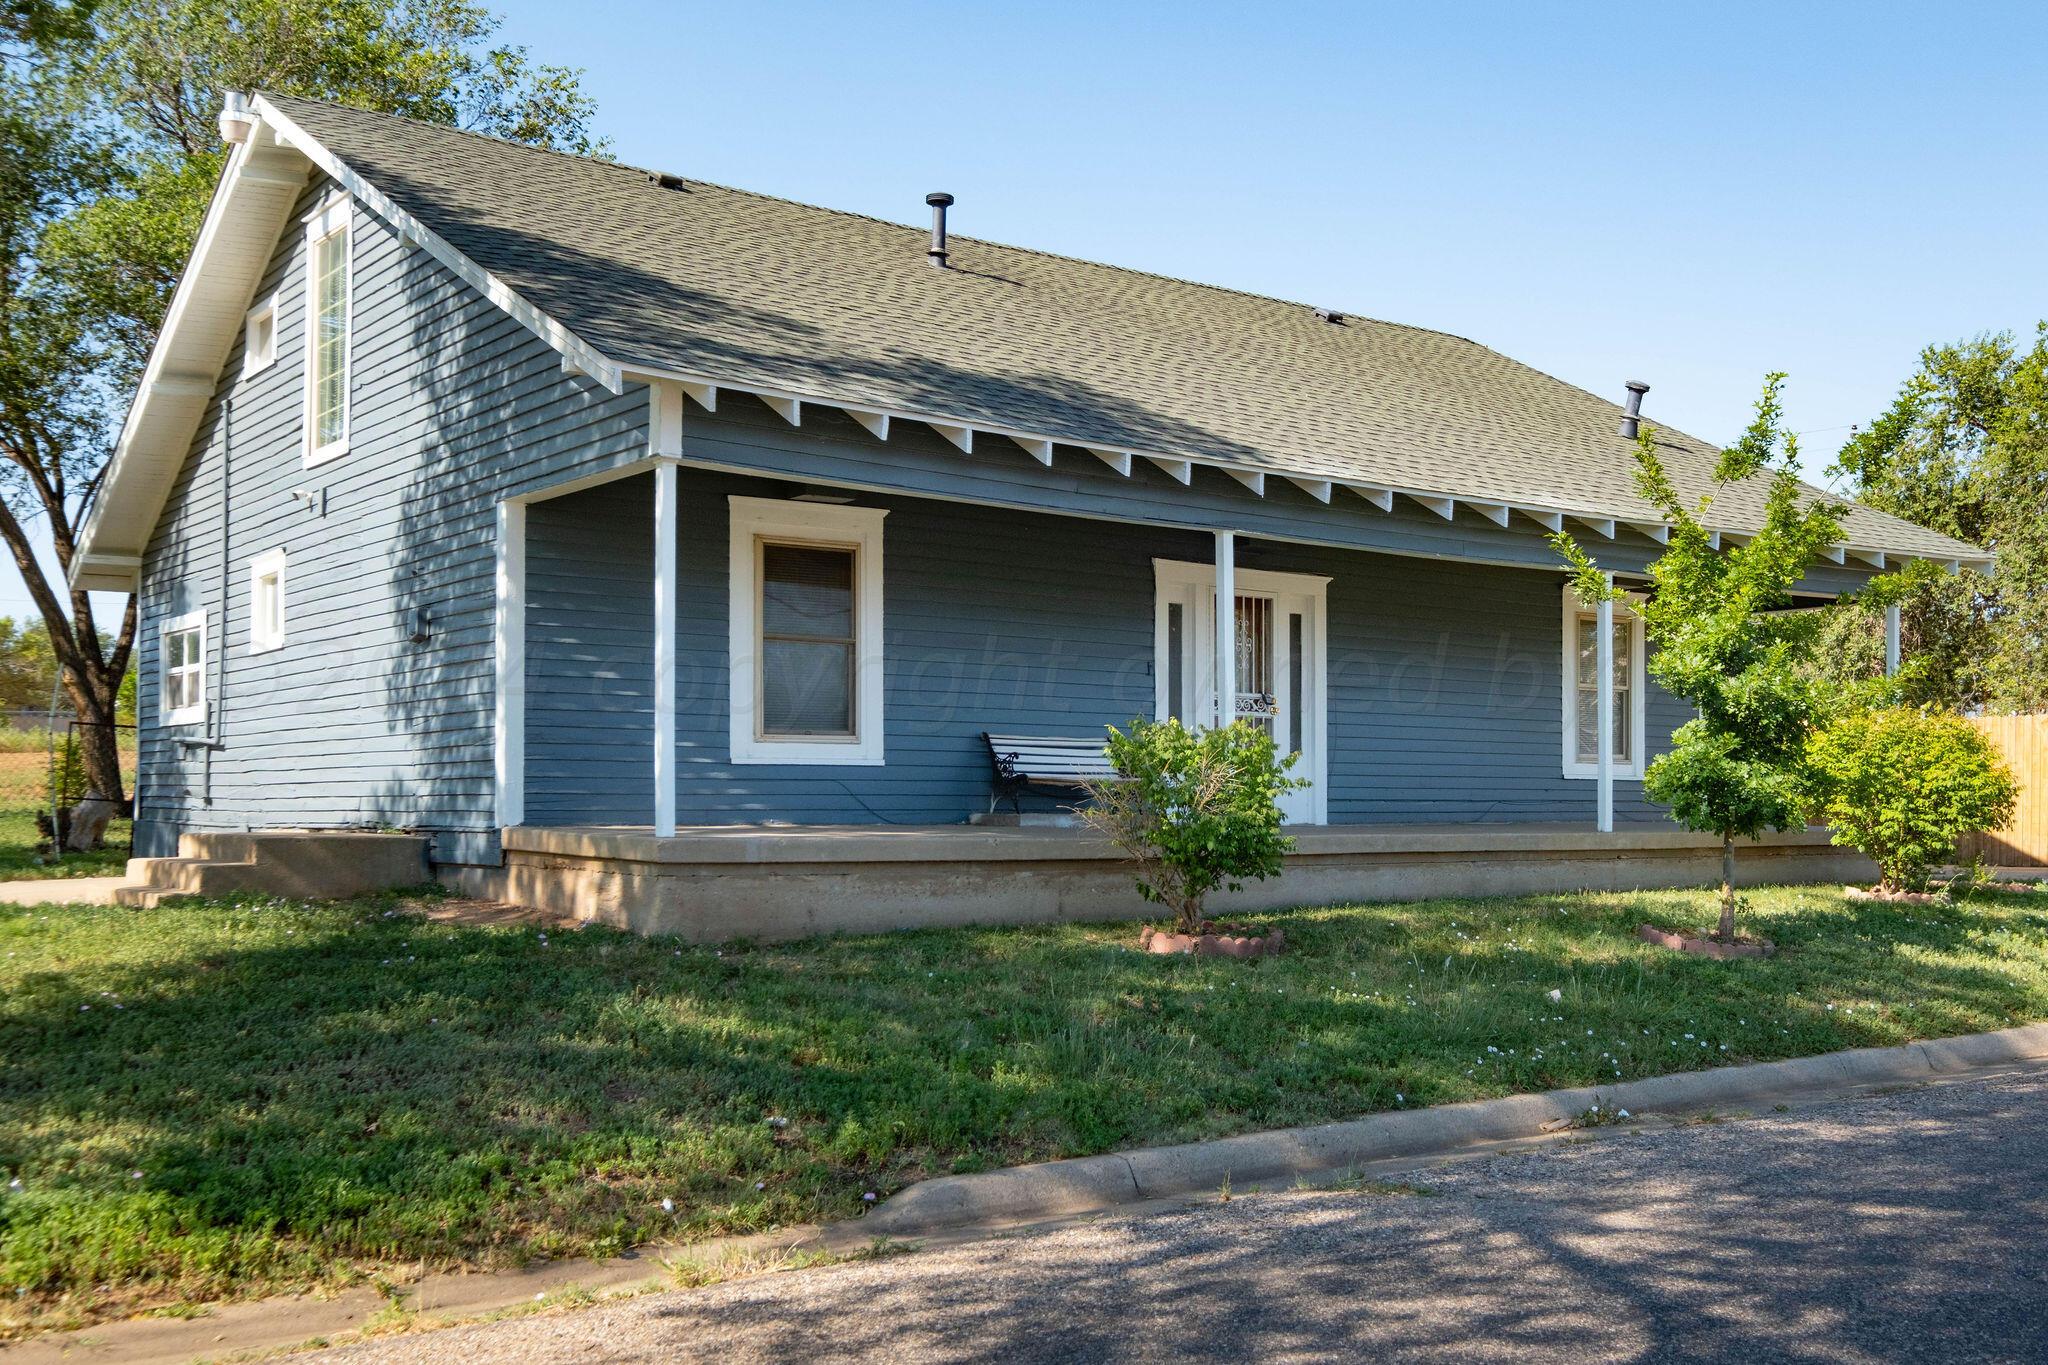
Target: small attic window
{"type": "Point", "coordinates": [259, 337]}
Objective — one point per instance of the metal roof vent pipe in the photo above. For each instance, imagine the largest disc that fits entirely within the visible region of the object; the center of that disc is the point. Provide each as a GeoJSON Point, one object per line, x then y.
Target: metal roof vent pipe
{"type": "Point", "coordinates": [1632, 409]}
{"type": "Point", "coordinates": [940, 202]}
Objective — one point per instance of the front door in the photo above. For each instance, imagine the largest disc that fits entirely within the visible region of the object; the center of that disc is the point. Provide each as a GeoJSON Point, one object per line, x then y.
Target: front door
{"type": "Point", "coordinates": [1278, 627]}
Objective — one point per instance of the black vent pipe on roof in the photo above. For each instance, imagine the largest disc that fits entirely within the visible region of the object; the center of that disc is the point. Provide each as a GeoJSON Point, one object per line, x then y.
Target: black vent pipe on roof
{"type": "Point", "coordinates": [1632, 409]}
{"type": "Point", "coordinates": [940, 202]}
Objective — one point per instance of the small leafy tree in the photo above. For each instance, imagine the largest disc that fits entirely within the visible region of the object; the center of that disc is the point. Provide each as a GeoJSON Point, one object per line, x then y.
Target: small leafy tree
{"type": "Point", "coordinates": [1902, 785]}
{"type": "Point", "coordinates": [1736, 768]}
{"type": "Point", "coordinates": [1196, 809]}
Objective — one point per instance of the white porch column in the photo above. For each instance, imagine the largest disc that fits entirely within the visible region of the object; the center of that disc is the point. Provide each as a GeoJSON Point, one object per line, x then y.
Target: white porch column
{"type": "Point", "coordinates": [1604, 811]}
{"type": "Point", "coordinates": [1226, 627]}
{"type": "Point", "coordinates": [665, 443]}
{"type": "Point", "coordinates": [1891, 640]}
{"type": "Point", "coordinates": [509, 630]}
{"type": "Point", "coordinates": [665, 527]}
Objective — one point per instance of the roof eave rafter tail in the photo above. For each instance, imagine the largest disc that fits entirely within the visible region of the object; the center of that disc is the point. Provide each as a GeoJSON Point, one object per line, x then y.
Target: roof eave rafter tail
{"type": "Point", "coordinates": [1180, 471]}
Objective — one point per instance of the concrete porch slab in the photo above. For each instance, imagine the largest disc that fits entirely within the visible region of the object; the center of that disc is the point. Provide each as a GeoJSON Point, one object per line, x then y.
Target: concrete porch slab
{"type": "Point", "coordinates": [777, 883]}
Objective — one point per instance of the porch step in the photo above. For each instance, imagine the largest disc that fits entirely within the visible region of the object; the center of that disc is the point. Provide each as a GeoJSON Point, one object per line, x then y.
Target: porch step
{"type": "Point", "coordinates": [301, 864]}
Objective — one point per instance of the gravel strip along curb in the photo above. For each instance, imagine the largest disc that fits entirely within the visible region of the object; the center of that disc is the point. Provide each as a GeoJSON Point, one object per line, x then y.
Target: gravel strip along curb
{"type": "Point", "coordinates": [1084, 1184]}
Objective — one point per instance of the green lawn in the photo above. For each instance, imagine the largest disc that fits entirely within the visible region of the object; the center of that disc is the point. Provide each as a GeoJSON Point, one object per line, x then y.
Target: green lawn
{"type": "Point", "coordinates": [19, 861]}
{"type": "Point", "coordinates": [233, 1098]}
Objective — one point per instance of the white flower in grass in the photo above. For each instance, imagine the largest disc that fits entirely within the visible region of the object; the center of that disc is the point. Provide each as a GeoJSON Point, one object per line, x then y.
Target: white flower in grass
{"type": "Point", "coordinates": [868, 1198]}
{"type": "Point", "coordinates": [760, 1184]}
{"type": "Point", "coordinates": [1555, 996]}
{"type": "Point", "coordinates": [668, 1206]}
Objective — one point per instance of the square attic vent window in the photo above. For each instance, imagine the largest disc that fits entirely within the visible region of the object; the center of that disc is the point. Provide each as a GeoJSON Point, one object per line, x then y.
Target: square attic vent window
{"type": "Point", "coordinates": [259, 337]}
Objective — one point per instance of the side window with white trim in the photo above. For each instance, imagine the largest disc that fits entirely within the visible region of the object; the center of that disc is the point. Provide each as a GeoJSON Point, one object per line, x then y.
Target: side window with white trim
{"type": "Point", "coordinates": [266, 602]}
{"type": "Point", "coordinates": [182, 663]}
{"type": "Point", "coordinates": [328, 287]}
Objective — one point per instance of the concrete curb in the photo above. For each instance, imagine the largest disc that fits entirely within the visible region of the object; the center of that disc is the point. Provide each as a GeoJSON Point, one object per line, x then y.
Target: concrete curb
{"type": "Point", "coordinates": [1062, 1188]}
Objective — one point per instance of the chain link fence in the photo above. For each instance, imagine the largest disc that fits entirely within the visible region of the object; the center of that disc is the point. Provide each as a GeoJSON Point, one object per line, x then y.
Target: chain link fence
{"type": "Point", "coordinates": [42, 779]}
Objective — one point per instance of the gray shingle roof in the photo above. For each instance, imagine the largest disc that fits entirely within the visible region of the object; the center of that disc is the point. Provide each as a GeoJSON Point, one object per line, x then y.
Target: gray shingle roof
{"type": "Point", "coordinates": [753, 290]}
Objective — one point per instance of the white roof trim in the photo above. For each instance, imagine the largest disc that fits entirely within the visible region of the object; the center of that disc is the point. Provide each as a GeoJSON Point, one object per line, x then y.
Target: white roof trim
{"type": "Point", "coordinates": [1119, 460]}
{"type": "Point", "coordinates": [1179, 470]}
{"type": "Point", "coordinates": [250, 205]}
{"type": "Point", "coordinates": [1319, 489]}
{"type": "Point", "coordinates": [588, 357]}
{"type": "Point", "coordinates": [1039, 450]}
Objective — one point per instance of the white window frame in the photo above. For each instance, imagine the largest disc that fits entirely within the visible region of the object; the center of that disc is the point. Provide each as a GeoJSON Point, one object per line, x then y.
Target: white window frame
{"type": "Point", "coordinates": [262, 639]}
{"type": "Point", "coordinates": [334, 215]}
{"type": "Point", "coordinates": [1638, 695]}
{"type": "Point", "coordinates": [859, 529]}
{"type": "Point", "coordinates": [255, 358]}
{"type": "Point", "coordinates": [195, 714]}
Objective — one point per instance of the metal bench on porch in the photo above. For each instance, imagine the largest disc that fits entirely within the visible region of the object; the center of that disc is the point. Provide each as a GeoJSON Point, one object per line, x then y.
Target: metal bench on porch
{"type": "Point", "coordinates": [1022, 762]}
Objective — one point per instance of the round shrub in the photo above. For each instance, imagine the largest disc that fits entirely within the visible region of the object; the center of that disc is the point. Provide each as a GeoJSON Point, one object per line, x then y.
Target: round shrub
{"type": "Point", "coordinates": [1902, 786]}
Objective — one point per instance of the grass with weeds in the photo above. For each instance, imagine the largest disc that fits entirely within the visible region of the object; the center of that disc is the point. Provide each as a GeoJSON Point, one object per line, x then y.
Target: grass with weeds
{"type": "Point", "coordinates": [20, 862]}
{"type": "Point", "coordinates": [236, 1097]}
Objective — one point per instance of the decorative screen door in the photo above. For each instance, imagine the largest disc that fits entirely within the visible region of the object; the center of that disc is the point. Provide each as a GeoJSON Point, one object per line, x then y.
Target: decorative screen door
{"type": "Point", "coordinates": [1279, 664]}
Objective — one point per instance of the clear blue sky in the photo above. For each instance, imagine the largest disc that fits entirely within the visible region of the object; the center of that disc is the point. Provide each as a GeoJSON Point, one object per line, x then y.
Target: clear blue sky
{"type": "Point", "coordinates": [1688, 196]}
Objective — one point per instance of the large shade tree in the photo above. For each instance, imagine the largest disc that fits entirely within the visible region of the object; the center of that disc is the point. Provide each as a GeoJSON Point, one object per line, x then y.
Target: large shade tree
{"type": "Point", "coordinates": [1719, 640]}
{"type": "Point", "coordinates": [108, 154]}
{"type": "Point", "coordinates": [1962, 449]}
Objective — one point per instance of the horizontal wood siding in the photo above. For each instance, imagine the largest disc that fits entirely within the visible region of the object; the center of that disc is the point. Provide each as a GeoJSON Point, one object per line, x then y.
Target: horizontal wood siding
{"type": "Point", "coordinates": [590, 656]}
{"type": "Point", "coordinates": [1445, 679]}
{"type": "Point", "coordinates": [452, 404]}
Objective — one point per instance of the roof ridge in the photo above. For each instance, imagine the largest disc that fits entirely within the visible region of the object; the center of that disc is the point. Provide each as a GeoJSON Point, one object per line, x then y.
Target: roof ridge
{"type": "Point", "coordinates": [653, 172]}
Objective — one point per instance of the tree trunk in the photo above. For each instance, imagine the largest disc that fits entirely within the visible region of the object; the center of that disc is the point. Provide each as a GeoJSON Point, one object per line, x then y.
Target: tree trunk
{"type": "Point", "coordinates": [1726, 933]}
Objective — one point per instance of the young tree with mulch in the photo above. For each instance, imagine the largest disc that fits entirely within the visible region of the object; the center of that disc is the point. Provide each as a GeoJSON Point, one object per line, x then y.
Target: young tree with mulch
{"type": "Point", "coordinates": [1736, 768]}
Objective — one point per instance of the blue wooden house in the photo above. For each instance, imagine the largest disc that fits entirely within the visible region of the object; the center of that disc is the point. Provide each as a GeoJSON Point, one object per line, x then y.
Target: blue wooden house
{"type": "Point", "coordinates": [668, 552]}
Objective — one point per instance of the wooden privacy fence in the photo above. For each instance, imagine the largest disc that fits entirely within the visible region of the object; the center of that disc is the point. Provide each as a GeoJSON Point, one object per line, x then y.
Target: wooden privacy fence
{"type": "Point", "coordinates": [2023, 843]}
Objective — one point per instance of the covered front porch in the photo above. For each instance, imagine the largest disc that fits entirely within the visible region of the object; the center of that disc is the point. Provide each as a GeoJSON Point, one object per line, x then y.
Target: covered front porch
{"type": "Point", "coordinates": [709, 884]}
{"type": "Point", "coordinates": [688, 643]}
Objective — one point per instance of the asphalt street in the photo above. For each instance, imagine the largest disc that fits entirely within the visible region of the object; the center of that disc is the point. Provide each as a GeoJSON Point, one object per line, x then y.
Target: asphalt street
{"type": "Point", "coordinates": [1910, 1226]}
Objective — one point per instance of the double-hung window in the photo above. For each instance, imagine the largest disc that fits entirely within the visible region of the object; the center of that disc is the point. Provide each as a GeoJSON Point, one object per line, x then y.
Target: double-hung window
{"type": "Point", "coordinates": [806, 632]}
{"type": "Point", "coordinates": [327, 331]}
{"type": "Point", "coordinates": [1582, 691]}
{"type": "Point", "coordinates": [182, 662]}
